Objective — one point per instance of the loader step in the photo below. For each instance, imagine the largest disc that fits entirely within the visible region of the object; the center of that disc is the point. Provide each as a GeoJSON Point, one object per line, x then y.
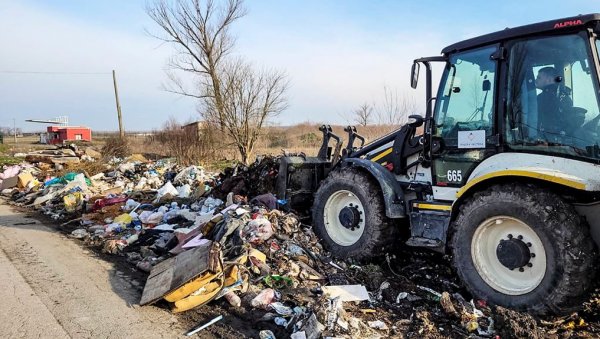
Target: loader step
{"type": "Point", "coordinates": [428, 225]}
{"type": "Point", "coordinates": [424, 242]}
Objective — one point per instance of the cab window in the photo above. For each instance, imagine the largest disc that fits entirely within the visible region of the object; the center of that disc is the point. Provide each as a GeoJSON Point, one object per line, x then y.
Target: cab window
{"type": "Point", "coordinates": [552, 102]}
{"type": "Point", "coordinates": [466, 97]}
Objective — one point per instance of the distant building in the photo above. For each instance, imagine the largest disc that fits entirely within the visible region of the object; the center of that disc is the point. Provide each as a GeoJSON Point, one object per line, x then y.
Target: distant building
{"type": "Point", "coordinates": [194, 128]}
{"type": "Point", "coordinates": [60, 134]}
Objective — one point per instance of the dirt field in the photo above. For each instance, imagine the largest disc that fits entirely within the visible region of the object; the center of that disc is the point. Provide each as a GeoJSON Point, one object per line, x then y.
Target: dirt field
{"type": "Point", "coordinates": [304, 138]}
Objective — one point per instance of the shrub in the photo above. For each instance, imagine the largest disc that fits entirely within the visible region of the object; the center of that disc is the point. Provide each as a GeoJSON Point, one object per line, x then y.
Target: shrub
{"type": "Point", "coordinates": [115, 147]}
{"type": "Point", "coordinates": [277, 139]}
{"type": "Point", "coordinates": [190, 144]}
{"type": "Point", "coordinates": [310, 139]}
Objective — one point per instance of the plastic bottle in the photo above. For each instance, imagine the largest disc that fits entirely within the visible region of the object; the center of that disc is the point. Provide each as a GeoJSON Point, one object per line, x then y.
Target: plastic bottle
{"type": "Point", "coordinates": [233, 299]}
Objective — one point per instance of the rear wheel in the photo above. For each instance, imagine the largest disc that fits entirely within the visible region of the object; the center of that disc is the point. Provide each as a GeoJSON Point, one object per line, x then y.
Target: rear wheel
{"type": "Point", "coordinates": [349, 215]}
{"type": "Point", "coordinates": [525, 248]}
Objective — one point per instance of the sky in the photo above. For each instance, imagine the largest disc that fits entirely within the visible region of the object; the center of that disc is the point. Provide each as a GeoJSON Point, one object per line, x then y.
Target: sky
{"type": "Point", "coordinates": [56, 57]}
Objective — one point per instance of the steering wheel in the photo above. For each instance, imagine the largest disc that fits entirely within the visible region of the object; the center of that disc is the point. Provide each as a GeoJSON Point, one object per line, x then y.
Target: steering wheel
{"type": "Point", "coordinates": [589, 131]}
{"type": "Point", "coordinates": [591, 125]}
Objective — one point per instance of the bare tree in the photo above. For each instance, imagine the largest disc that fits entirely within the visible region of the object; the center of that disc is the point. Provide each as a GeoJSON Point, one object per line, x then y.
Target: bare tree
{"type": "Point", "coordinates": [363, 114]}
{"type": "Point", "coordinates": [234, 96]}
{"type": "Point", "coordinates": [10, 131]}
{"type": "Point", "coordinates": [395, 108]}
{"type": "Point", "coordinates": [199, 30]}
{"type": "Point", "coordinates": [251, 99]}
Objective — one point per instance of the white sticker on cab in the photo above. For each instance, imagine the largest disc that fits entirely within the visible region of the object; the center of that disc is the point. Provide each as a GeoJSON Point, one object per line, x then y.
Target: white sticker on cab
{"type": "Point", "coordinates": [471, 139]}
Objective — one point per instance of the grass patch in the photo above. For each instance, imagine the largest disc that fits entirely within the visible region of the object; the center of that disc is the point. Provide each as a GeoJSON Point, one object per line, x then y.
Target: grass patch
{"type": "Point", "coordinates": [4, 148]}
{"type": "Point", "coordinates": [219, 165]}
{"type": "Point", "coordinates": [8, 160]}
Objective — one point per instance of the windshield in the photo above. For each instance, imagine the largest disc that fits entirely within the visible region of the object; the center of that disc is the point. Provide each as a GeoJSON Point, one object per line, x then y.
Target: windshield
{"type": "Point", "coordinates": [466, 96]}
{"type": "Point", "coordinates": [552, 97]}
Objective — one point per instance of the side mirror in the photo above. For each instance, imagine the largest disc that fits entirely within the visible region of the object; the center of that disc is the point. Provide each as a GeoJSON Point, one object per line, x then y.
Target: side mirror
{"type": "Point", "coordinates": [414, 75]}
{"type": "Point", "coordinates": [437, 145]}
{"type": "Point", "coordinates": [415, 120]}
{"type": "Point", "coordinates": [486, 85]}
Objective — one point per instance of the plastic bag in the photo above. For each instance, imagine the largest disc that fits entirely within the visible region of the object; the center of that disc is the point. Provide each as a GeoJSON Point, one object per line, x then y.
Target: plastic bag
{"type": "Point", "coordinates": [149, 217]}
{"type": "Point", "coordinates": [210, 204]}
{"type": "Point", "coordinates": [168, 188]}
{"type": "Point", "coordinates": [123, 219]}
{"type": "Point", "coordinates": [75, 176]}
{"type": "Point", "coordinates": [130, 204]}
{"type": "Point", "coordinates": [184, 191]}
{"type": "Point", "coordinates": [189, 175]}
{"type": "Point", "coordinates": [98, 204]}
{"type": "Point", "coordinates": [257, 231]}
{"type": "Point", "coordinates": [73, 201]}
{"type": "Point", "coordinates": [264, 298]}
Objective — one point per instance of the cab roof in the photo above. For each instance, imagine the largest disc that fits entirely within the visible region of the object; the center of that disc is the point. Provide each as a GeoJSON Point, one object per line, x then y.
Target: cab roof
{"type": "Point", "coordinates": [509, 33]}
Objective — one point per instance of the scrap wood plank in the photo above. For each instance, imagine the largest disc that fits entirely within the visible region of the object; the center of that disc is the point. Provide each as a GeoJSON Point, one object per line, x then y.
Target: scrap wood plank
{"type": "Point", "coordinates": [174, 272]}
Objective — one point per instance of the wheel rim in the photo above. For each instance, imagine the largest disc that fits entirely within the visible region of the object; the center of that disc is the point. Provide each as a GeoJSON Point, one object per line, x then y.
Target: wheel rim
{"type": "Point", "coordinates": [336, 208]}
{"type": "Point", "coordinates": [487, 246]}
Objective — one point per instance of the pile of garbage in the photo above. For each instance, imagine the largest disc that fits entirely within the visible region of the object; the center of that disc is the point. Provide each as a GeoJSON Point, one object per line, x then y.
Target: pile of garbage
{"type": "Point", "coordinates": [224, 238]}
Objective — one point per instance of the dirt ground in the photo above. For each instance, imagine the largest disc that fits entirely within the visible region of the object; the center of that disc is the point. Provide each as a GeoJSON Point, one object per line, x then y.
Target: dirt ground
{"type": "Point", "coordinates": [56, 287]}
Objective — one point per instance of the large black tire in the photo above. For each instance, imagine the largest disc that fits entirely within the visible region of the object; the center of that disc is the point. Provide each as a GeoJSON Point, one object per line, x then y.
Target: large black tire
{"type": "Point", "coordinates": [377, 230]}
{"type": "Point", "coordinates": [569, 249]}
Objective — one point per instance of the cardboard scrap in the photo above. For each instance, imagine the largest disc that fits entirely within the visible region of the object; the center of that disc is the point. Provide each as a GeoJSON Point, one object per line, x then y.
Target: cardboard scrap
{"type": "Point", "coordinates": [24, 178]}
{"type": "Point", "coordinates": [174, 272]}
{"type": "Point", "coordinates": [9, 183]}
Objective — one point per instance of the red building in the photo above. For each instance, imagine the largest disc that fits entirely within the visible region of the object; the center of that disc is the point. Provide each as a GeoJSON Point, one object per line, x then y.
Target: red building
{"type": "Point", "coordinates": [59, 134]}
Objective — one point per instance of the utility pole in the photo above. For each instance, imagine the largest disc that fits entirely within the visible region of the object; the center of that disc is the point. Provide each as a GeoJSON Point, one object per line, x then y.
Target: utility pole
{"type": "Point", "coordinates": [121, 131]}
{"type": "Point", "coordinates": [15, 129]}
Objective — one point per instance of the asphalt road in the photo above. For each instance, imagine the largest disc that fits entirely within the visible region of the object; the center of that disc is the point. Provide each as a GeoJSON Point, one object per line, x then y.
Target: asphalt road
{"type": "Point", "coordinates": [50, 287]}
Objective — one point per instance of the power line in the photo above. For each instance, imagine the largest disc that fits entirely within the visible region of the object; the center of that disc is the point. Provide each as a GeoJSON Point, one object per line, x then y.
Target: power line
{"type": "Point", "coordinates": [55, 73]}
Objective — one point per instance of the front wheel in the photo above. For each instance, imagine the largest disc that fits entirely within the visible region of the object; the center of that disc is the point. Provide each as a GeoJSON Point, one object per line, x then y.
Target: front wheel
{"type": "Point", "coordinates": [349, 215]}
{"type": "Point", "coordinates": [524, 248]}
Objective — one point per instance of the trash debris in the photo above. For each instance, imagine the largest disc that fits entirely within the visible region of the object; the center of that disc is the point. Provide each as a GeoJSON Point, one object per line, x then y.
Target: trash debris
{"type": "Point", "coordinates": [79, 233]}
{"type": "Point", "coordinates": [206, 238]}
{"type": "Point", "coordinates": [201, 327]}
{"type": "Point", "coordinates": [401, 295]}
{"type": "Point", "coordinates": [281, 321]}
{"type": "Point", "coordinates": [447, 305]}
{"type": "Point", "coordinates": [257, 231]}
{"type": "Point", "coordinates": [233, 299]}
{"type": "Point", "coordinates": [264, 298]}
{"type": "Point", "coordinates": [377, 324]}
{"type": "Point", "coordinates": [281, 309]}
{"type": "Point", "coordinates": [278, 281]}
{"type": "Point", "coordinates": [436, 296]}
{"type": "Point", "coordinates": [266, 334]}
{"type": "Point", "coordinates": [347, 292]}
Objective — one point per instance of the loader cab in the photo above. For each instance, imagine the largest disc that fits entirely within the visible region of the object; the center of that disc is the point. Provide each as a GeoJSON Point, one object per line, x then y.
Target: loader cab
{"type": "Point", "coordinates": [560, 118]}
{"type": "Point", "coordinates": [492, 97]}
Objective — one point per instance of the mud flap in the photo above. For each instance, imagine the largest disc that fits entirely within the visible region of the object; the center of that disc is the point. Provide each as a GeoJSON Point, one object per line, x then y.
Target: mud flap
{"type": "Point", "coordinates": [393, 194]}
{"type": "Point", "coordinates": [429, 226]}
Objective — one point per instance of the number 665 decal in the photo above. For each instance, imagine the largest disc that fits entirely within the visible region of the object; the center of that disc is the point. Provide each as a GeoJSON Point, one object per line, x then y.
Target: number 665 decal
{"type": "Point", "coordinates": [454, 175]}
